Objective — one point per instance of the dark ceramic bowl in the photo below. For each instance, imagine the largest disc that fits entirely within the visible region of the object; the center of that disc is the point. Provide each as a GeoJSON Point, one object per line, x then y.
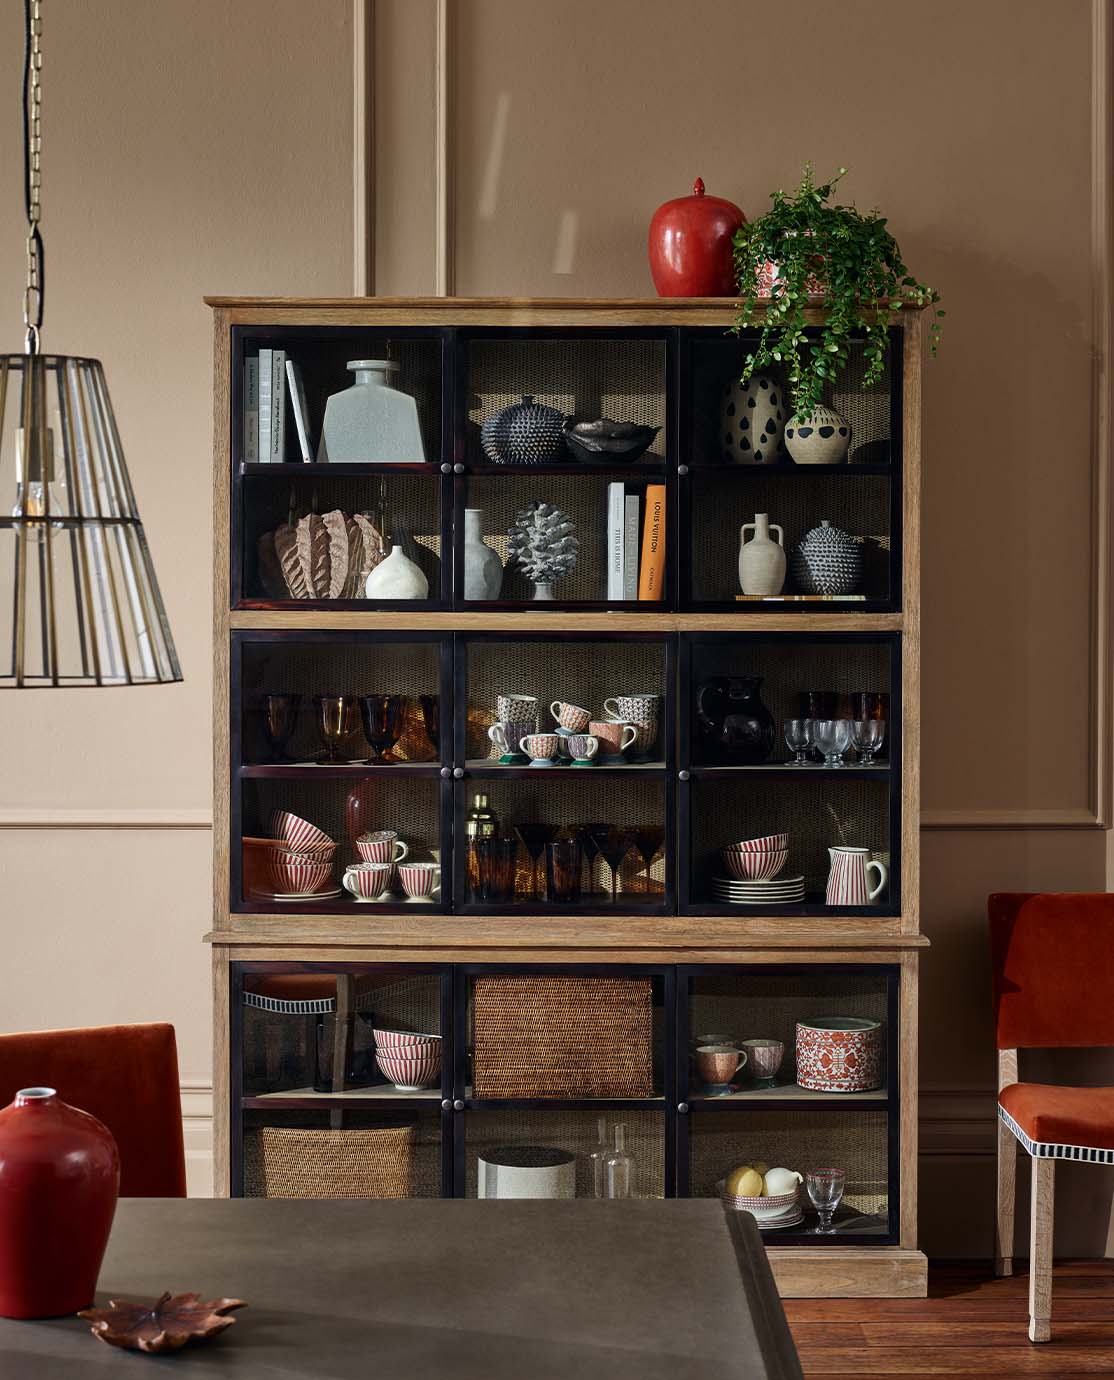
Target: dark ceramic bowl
{"type": "Point", "coordinates": [606, 443]}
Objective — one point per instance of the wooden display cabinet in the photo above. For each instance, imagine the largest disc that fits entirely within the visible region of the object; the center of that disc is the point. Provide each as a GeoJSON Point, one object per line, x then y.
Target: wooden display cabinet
{"type": "Point", "coordinates": [663, 363]}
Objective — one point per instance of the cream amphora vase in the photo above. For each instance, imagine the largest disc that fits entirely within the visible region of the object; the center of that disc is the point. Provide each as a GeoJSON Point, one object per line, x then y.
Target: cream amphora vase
{"type": "Point", "coordinates": [762, 559]}
{"type": "Point", "coordinates": [847, 881]}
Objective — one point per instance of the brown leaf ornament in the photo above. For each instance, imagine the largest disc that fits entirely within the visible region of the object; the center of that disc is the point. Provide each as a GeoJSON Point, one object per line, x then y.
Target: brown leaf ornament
{"type": "Point", "coordinates": [165, 1325]}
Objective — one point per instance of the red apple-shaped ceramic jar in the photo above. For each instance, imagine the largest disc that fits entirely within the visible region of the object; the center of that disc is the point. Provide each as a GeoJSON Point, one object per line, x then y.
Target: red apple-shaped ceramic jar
{"type": "Point", "coordinates": [690, 245]}
{"type": "Point", "coordinates": [59, 1177]}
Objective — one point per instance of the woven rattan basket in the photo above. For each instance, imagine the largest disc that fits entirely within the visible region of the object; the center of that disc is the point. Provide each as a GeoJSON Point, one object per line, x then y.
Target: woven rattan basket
{"type": "Point", "coordinates": [285, 1162]}
{"type": "Point", "coordinates": [563, 1037]}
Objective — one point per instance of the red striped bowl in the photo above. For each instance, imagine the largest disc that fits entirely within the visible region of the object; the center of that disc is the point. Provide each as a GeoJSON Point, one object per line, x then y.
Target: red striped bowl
{"type": "Point", "coordinates": [754, 867]}
{"type": "Point", "coordinates": [404, 1042]}
{"type": "Point", "coordinates": [768, 843]}
{"type": "Point", "coordinates": [296, 874]}
{"type": "Point", "coordinates": [409, 1072]}
{"type": "Point", "coordinates": [296, 832]}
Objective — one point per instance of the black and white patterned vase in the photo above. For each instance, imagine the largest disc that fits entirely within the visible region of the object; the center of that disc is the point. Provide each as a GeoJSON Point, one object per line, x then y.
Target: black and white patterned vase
{"type": "Point", "coordinates": [823, 438]}
{"type": "Point", "coordinates": [827, 561]}
{"type": "Point", "coordinates": [752, 421]}
{"type": "Point", "coordinates": [526, 433]}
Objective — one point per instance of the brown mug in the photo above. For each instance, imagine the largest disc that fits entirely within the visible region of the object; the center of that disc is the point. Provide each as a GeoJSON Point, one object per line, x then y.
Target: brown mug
{"type": "Point", "coordinates": [613, 735]}
{"type": "Point", "coordinates": [718, 1064]}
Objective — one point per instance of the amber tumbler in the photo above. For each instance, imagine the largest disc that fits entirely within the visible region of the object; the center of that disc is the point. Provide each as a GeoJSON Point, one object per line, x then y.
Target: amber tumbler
{"type": "Point", "coordinates": [495, 870]}
{"type": "Point", "coordinates": [562, 871]}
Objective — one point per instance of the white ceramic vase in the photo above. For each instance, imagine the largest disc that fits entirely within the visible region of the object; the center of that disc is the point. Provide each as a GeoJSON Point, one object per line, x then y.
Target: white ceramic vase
{"type": "Point", "coordinates": [371, 421]}
{"type": "Point", "coordinates": [483, 570]}
{"type": "Point", "coordinates": [762, 559]}
{"type": "Point", "coordinates": [752, 420]}
{"type": "Point", "coordinates": [398, 577]}
{"type": "Point", "coordinates": [823, 438]}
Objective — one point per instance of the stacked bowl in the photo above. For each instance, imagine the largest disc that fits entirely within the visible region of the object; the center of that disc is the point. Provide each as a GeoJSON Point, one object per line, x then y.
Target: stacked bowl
{"type": "Point", "coordinates": [754, 868]}
{"type": "Point", "coordinates": [410, 1061]}
{"type": "Point", "coordinates": [300, 864]}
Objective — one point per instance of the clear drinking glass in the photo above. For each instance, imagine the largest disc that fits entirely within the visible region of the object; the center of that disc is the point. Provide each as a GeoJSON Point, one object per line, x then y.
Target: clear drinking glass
{"type": "Point", "coordinates": [825, 1190]}
{"type": "Point", "coordinates": [619, 1168]}
{"type": "Point", "coordinates": [868, 735]}
{"type": "Point", "coordinates": [832, 738]}
{"type": "Point", "coordinates": [598, 1160]}
{"type": "Point", "coordinates": [798, 739]}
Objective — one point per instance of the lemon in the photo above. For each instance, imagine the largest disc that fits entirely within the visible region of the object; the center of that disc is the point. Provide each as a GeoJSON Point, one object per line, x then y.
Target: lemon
{"type": "Point", "coordinates": [744, 1182]}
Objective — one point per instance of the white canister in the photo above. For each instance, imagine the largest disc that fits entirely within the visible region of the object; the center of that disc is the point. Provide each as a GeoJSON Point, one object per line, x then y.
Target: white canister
{"type": "Point", "coordinates": [527, 1171]}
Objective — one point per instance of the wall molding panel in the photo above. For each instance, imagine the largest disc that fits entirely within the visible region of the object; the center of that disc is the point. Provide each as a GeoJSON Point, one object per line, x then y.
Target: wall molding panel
{"type": "Point", "coordinates": [49, 817]}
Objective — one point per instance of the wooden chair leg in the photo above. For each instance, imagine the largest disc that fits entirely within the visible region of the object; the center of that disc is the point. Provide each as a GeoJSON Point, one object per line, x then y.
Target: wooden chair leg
{"type": "Point", "coordinates": [1040, 1251]}
{"type": "Point", "coordinates": [1007, 1183]}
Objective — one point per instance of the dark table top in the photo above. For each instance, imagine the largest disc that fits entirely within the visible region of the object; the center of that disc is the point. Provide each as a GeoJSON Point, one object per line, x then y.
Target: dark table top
{"type": "Point", "coordinates": [429, 1289]}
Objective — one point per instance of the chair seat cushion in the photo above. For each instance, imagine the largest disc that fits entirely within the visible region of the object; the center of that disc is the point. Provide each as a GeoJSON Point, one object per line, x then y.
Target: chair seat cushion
{"type": "Point", "coordinates": [1053, 1122]}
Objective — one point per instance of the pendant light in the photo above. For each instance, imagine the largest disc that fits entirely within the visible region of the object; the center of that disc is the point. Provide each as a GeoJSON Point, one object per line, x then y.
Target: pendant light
{"type": "Point", "coordinates": [84, 606]}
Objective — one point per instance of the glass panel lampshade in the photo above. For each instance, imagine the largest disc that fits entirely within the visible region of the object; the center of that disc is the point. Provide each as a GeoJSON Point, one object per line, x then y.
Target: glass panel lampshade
{"type": "Point", "coordinates": [79, 602]}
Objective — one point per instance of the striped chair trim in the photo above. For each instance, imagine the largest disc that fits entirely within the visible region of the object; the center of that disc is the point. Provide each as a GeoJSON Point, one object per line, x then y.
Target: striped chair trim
{"type": "Point", "coordinates": [316, 1006]}
{"type": "Point", "coordinates": [1050, 1150]}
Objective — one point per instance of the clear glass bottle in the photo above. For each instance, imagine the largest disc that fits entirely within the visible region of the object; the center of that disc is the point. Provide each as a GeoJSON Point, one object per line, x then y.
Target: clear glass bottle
{"type": "Point", "coordinates": [619, 1168]}
{"type": "Point", "coordinates": [481, 822]}
{"type": "Point", "coordinates": [598, 1160]}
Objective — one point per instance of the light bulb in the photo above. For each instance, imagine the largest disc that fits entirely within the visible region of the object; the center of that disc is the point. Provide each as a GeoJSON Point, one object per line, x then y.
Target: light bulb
{"type": "Point", "coordinates": [37, 494]}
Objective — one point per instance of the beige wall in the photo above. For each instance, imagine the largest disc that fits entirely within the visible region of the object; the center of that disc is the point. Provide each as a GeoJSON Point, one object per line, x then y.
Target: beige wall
{"type": "Point", "coordinates": [221, 140]}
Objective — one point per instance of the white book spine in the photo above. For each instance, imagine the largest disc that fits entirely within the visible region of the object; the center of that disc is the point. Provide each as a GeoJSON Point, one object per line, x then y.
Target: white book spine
{"type": "Point", "coordinates": [630, 549]}
{"type": "Point", "coordinates": [265, 376]}
{"type": "Point", "coordinates": [616, 525]}
{"type": "Point", "coordinates": [278, 407]}
{"type": "Point", "coordinates": [251, 410]}
{"type": "Point", "coordinates": [301, 412]}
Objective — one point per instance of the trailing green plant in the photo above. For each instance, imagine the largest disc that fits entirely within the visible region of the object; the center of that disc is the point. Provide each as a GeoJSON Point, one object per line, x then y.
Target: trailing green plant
{"type": "Point", "coordinates": [858, 266]}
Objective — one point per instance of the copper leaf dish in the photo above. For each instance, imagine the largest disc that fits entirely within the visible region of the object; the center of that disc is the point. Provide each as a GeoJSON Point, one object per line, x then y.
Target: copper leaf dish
{"type": "Point", "coordinates": [165, 1325]}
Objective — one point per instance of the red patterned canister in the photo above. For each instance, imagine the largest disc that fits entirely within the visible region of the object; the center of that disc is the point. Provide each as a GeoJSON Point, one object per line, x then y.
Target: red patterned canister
{"type": "Point", "coordinates": [839, 1054]}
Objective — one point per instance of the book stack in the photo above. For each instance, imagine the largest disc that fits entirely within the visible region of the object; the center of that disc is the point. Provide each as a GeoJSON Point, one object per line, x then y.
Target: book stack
{"type": "Point", "coordinates": [635, 570]}
{"type": "Point", "coordinates": [268, 377]}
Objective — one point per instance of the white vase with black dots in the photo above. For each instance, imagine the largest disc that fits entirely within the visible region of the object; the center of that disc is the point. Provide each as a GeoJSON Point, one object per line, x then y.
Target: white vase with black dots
{"type": "Point", "coordinates": [823, 438]}
{"type": "Point", "coordinates": [752, 421]}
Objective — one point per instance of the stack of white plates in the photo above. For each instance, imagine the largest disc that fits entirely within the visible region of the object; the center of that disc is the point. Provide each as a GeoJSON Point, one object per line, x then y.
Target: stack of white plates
{"type": "Point", "coordinates": [790, 1219]}
{"type": "Point", "coordinates": [779, 891]}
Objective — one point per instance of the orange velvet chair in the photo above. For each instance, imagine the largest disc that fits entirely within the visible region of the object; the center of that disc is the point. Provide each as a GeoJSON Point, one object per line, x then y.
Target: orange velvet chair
{"type": "Point", "coordinates": [127, 1077]}
{"type": "Point", "coordinates": [1052, 957]}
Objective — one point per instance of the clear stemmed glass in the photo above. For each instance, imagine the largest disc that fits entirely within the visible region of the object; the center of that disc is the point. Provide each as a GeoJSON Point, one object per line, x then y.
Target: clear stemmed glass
{"type": "Point", "coordinates": [867, 736]}
{"type": "Point", "coordinates": [832, 738]}
{"type": "Point", "coordinates": [382, 716]}
{"type": "Point", "coordinates": [798, 739]}
{"type": "Point", "coordinates": [825, 1191]}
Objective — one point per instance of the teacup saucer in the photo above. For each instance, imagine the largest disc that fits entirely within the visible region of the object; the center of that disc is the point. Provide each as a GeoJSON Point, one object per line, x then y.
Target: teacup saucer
{"type": "Point", "coordinates": [304, 895]}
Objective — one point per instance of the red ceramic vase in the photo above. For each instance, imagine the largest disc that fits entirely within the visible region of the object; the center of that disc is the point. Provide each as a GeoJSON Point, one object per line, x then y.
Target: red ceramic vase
{"type": "Point", "coordinates": [59, 1177]}
{"type": "Point", "coordinates": [690, 245]}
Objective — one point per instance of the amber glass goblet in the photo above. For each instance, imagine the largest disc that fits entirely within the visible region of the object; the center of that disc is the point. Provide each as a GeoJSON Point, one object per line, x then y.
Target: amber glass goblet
{"type": "Point", "coordinates": [382, 716]}
{"type": "Point", "coordinates": [614, 843]}
{"type": "Point", "coordinates": [648, 839]}
{"type": "Point", "coordinates": [431, 714]}
{"type": "Point", "coordinates": [337, 719]}
{"type": "Point", "coordinates": [534, 837]}
{"type": "Point", "coordinates": [280, 719]}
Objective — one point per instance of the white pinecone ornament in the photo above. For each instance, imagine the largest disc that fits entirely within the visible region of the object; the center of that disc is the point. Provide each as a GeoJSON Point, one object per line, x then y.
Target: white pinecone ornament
{"type": "Point", "coordinates": [827, 561]}
{"type": "Point", "coordinates": [541, 542]}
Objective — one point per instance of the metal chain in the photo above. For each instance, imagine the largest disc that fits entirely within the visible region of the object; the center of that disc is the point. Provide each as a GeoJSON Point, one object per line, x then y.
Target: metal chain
{"type": "Point", "coordinates": [32, 169]}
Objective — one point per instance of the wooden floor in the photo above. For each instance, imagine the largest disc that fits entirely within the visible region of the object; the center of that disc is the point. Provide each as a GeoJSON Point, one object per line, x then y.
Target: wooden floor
{"type": "Point", "coordinates": [971, 1325]}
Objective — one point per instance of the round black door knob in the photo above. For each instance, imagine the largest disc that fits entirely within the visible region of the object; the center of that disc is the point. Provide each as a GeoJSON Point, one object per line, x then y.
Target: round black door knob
{"type": "Point", "coordinates": [458, 1105]}
{"type": "Point", "coordinates": [458, 773]}
{"type": "Point", "coordinates": [447, 1105]}
{"type": "Point", "coordinates": [682, 1107]}
{"type": "Point", "coordinates": [446, 468]}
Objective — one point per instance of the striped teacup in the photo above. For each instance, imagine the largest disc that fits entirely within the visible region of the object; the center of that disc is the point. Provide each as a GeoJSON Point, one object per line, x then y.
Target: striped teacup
{"type": "Point", "coordinates": [381, 846]}
{"type": "Point", "coordinates": [419, 879]}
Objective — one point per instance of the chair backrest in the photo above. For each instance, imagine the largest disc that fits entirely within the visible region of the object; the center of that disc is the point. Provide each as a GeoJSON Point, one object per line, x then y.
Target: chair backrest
{"type": "Point", "coordinates": [1052, 955]}
{"type": "Point", "coordinates": [125, 1076]}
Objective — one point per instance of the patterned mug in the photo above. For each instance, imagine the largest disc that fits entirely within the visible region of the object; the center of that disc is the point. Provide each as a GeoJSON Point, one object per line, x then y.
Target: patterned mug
{"type": "Point", "coordinates": [541, 748]}
{"type": "Point", "coordinates": [614, 736]}
{"type": "Point", "coordinates": [420, 880]}
{"type": "Point", "coordinates": [517, 709]}
{"type": "Point", "coordinates": [367, 880]}
{"type": "Point", "coordinates": [570, 716]}
{"type": "Point", "coordinates": [508, 739]}
{"type": "Point", "coordinates": [642, 711]}
{"type": "Point", "coordinates": [381, 846]}
{"type": "Point", "coordinates": [582, 748]}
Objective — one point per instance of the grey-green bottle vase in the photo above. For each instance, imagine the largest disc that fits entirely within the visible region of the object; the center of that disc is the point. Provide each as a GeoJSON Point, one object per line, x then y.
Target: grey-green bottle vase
{"type": "Point", "coordinates": [372, 422]}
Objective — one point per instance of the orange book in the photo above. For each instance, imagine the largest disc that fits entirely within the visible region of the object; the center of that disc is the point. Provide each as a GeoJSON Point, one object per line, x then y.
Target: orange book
{"type": "Point", "coordinates": [651, 575]}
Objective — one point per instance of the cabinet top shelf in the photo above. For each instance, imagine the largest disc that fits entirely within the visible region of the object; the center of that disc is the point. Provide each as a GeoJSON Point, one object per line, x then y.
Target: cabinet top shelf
{"type": "Point", "coordinates": [459, 305]}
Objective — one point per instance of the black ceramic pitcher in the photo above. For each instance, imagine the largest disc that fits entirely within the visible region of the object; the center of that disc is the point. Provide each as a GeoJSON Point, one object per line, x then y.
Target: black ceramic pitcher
{"type": "Point", "coordinates": [734, 727]}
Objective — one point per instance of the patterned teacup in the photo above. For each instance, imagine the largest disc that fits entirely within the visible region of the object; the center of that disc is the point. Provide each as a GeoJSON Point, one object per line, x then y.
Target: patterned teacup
{"type": "Point", "coordinates": [508, 739]}
{"type": "Point", "coordinates": [764, 1057]}
{"type": "Point", "coordinates": [420, 879]}
{"type": "Point", "coordinates": [614, 736]}
{"type": "Point", "coordinates": [381, 846]}
{"type": "Point", "coordinates": [367, 880]}
{"type": "Point", "coordinates": [517, 709]}
{"type": "Point", "coordinates": [541, 748]}
{"type": "Point", "coordinates": [570, 716]}
{"type": "Point", "coordinates": [582, 748]}
{"type": "Point", "coordinates": [718, 1064]}
{"type": "Point", "coordinates": [642, 711]}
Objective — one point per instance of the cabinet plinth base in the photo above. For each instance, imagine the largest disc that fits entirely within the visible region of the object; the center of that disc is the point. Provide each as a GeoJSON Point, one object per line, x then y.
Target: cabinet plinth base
{"type": "Point", "coordinates": [832, 1272]}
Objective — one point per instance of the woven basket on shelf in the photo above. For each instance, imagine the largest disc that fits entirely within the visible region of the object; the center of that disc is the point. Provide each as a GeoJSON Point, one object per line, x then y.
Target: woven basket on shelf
{"type": "Point", "coordinates": [287, 1162]}
{"type": "Point", "coordinates": [563, 1037]}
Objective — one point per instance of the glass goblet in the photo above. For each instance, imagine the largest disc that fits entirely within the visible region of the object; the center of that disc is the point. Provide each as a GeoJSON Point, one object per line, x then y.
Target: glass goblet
{"type": "Point", "coordinates": [867, 736]}
{"type": "Point", "coordinates": [280, 718]}
{"type": "Point", "coordinates": [431, 715]}
{"type": "Point", "coordinates": [798, 739]}
{"type": "Point", "coordinates": [825, 1191]}
{"type": "Point", "coordinates": [614, 843]}
{"type": "Point", "coordinates": [382, 716]}
{"type": "Point", "coordinates": [535, 836]}
{"type": "Point", "coordinates": [832, 737]}
{"type": "Point", "coordinates": [338, 718]}
{"type": "Point", "coordinates": [648, 839]}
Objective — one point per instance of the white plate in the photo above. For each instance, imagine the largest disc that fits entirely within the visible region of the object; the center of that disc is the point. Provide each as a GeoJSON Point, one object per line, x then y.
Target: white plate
{"type": "Point", "coordinates": [758, 895]}
{"type": "Point", "coordinates": [302, 895]}
{"type": "Point", "coordinates": [775, 1224]}
{"type": "Point", "coordinates": [771, 882]}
